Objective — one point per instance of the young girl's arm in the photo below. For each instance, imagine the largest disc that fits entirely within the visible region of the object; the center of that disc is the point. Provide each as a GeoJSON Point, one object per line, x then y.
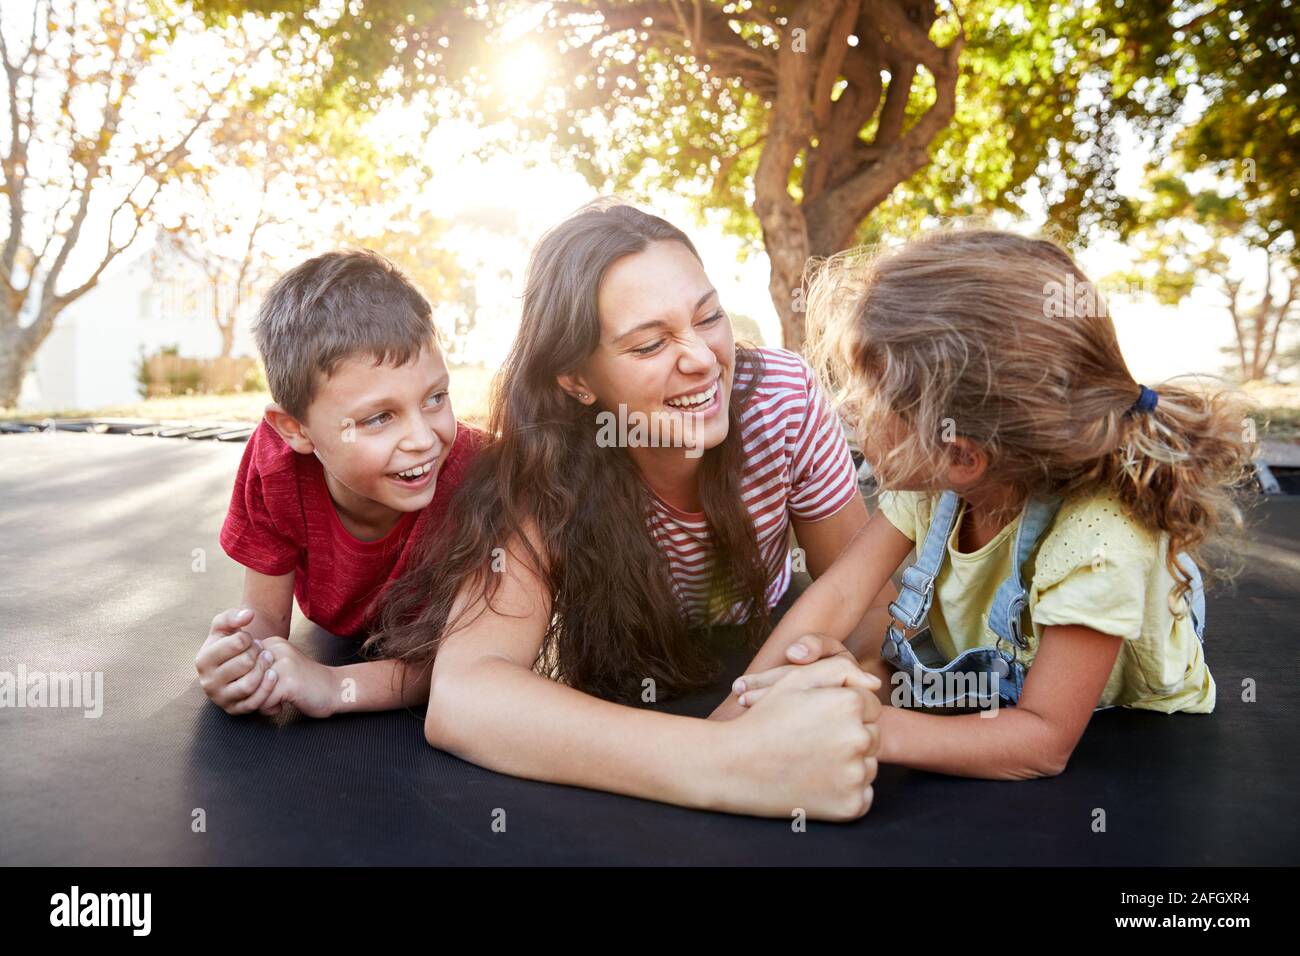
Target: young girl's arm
{"type": "Point", "coordinates": [823, 541]}
{"type": "Point", "coordinates": [1033, 739]}
{"type": "Point", "coordinates": [836, 602]}
{"type": "Point", "coordinates": [812, 748]}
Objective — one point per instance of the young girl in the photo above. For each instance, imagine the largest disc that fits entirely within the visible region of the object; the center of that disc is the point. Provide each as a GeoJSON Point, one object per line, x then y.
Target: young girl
{"type": "Point", "coordinates": [1059, 509]}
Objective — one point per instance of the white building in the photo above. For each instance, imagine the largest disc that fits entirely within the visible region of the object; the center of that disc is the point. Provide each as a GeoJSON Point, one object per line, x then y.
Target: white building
{"type": "Point", "coordinates": [91, 358]}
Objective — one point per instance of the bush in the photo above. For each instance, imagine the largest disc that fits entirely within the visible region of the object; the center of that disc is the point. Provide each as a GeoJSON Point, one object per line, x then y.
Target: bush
{"type": "Point", "coordinates": [168, 373]}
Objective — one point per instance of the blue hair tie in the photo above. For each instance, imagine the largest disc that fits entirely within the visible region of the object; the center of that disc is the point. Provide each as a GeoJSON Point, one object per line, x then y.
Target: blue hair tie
{"type": "Point", "coordinates": [1146, 400]}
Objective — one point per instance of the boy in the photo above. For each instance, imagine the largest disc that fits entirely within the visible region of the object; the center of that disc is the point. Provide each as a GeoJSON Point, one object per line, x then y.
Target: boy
{"type": "Point", "coordinates": [353, 463]}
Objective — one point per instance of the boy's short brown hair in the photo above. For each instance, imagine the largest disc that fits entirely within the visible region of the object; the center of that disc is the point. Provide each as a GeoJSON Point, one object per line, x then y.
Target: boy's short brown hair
{"type": "Point", "coordinates": [334, 307]}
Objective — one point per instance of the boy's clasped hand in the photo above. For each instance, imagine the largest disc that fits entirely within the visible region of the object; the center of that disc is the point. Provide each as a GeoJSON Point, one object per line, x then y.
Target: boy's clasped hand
{"type": "Point", "coordinates": [243, 675]}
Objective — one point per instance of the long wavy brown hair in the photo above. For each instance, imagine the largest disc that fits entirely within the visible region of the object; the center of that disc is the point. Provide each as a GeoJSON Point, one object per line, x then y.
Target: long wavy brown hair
{"type": "Point", "coordinates": [1004, 340]}
{"type": "Point", "coordinates": [616, 620]}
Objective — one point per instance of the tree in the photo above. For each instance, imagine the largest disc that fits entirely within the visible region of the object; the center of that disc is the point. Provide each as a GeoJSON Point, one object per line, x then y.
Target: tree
{"type": "Point", "coordinates": [1245, 60]}
{"type": "Point", "coordinates": [302, 178]}
{"type": "Point", "coordinates": [411, 239]}
{"type": "Point", "coordinates": [813, 124]}
{"type": "Point", "coordinates": [224, 247]}
{"type": "Point", "coordinates": [1187, 240]}
{"type": "Point", "coordinates": [833, 122]}
{"type": "Point", "coordinates": [88, 148]}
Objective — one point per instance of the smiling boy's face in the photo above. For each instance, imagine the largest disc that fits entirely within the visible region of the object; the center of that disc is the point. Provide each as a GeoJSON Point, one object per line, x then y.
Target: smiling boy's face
{"type": "Point", "coordinates": [382, 432]}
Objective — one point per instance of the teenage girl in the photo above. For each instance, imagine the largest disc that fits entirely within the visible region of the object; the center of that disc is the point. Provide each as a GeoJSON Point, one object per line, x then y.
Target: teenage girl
{"type": "Point", "coordinates": [580, 568]}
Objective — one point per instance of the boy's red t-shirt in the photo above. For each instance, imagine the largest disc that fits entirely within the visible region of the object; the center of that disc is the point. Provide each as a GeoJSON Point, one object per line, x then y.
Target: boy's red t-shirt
{"type": "Point", "coordinates": [282, 519]}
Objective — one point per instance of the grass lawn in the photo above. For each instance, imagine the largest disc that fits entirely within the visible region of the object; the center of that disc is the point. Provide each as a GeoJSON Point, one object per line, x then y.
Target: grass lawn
{"type": "Point", "coordinates": [1279, 410]}
{"type": "Point", "coordinates": [469, 394]}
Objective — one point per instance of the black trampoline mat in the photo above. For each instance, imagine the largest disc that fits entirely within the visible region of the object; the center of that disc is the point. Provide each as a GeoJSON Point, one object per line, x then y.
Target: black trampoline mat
{"type": "Point", "coordinates": [109, 562]}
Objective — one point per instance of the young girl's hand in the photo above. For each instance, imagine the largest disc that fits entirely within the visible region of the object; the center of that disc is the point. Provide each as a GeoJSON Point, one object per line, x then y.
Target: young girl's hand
{"type": "Point", "coordinates": [293, 677]}
{"type": "Point", "coordinates": [812, 648]}
{"type": "Point", "coordinates": [752, 687]}
{"type": "Point", "coordinates": [806, 650]}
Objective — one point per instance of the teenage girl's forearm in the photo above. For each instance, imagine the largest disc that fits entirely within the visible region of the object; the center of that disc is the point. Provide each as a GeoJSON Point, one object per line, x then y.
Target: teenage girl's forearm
{"type": "Point", "coordinates": [499, 715]}
{"type": "Point", "coordinates": [838, 602]}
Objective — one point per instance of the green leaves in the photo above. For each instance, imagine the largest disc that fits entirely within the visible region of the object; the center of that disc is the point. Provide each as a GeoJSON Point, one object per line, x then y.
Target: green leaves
{"type": "Point", "coordinates": [642, 96]}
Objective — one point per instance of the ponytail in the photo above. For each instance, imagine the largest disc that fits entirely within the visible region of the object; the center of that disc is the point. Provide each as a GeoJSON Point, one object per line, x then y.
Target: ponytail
{"type": "Point", "coordinates": [1180, 460]}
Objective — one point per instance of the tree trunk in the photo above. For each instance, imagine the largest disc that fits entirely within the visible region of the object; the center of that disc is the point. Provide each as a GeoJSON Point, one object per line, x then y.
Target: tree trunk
{"type": "Point", "coordinates": [12, 369]}
{"type": "Point", "coordinates": [227, 337]}
{"type": "Point", "coordinates": [226, 328]}
{"type": "Point", "coordinates": [16, 351]}
{"type": "Point", "coordinates": [793, 234]}
{"type": "Point", "coordinates": [785, 237]}
{"type": "Point", "coordinates": [844, 178]}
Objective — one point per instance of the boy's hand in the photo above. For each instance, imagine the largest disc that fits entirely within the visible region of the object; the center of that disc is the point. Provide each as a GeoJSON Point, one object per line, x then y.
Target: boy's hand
{"type": "Point", "coordinates": [231, 664]}
{"type": "Point", "coordinates": [295, 678]}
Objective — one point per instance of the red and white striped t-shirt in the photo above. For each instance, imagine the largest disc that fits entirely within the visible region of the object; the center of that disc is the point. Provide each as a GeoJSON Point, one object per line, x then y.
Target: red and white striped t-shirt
{"type": "Point", "coordinates": [796, 463]}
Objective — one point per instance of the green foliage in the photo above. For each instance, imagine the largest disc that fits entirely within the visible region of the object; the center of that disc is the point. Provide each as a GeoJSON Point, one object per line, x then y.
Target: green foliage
{"type": "Point", "coordinates": [1043, 87]}
{"type": "Point", "coordinates": [394, 47]}
{"type": "Point", "coordinates": [1248, 56]}
{"type": "Point", "coordinates": [1044, 91]}
{"type": "Point", "coordinates": [1246, 59]}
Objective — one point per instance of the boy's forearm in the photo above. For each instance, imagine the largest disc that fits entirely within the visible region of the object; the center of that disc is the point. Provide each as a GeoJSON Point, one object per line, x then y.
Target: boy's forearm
{"type": "Point", "coordinates": [382, 685]}
{"type": "Point", "coordinates": [270, 598]}
{"type": "Point", "coordinates": [263, 626]}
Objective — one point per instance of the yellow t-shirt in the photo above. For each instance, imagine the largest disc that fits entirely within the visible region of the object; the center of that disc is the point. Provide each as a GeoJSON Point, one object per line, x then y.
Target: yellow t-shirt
{"type": "Point", "coordinates": [1094, 566]}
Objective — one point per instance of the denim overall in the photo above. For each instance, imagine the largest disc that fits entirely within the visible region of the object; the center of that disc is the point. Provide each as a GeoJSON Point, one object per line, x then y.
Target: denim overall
{"type": "Point", "coordinates": [912, 606]}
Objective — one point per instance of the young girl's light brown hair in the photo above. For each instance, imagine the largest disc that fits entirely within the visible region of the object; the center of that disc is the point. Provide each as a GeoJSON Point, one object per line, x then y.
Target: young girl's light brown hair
{"type": "Point", "coordinates": [1003, 340]}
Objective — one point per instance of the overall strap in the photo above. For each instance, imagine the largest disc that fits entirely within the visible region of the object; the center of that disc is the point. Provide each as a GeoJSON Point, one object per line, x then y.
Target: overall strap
{"type": "Point", "coordinates": [915, 595]}
{"type": "Point", "coordinates": [1195, 597]}
{"type": "Point", "coordinates": [1010, 599]}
